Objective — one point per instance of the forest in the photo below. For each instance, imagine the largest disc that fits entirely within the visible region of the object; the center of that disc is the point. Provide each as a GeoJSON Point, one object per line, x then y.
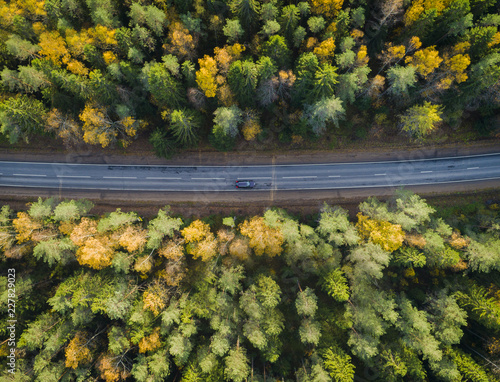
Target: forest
{"type": "Point", "coordinates": [403, 291]}
{"type": "Point", "coordinates": [218, 72]}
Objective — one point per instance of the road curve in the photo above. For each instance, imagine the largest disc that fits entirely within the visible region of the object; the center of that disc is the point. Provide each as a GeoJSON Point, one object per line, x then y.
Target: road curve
{"type": "Point", "coordinates": [326, 176]}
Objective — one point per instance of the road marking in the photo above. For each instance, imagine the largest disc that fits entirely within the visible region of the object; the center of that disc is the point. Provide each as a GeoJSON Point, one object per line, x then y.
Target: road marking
{"type": "Point", "coordinates": [28, 175]}
{"type": "Point", "coordinates": [472, 168]}
{"type": "Point", "coordinates": [334, 176]}
{"type": "Point", "coordinates": [276, 165]}
{"type": "Point", "coordinates": [379, 174]}
{"type": "Point", "coordinates": [298, 177]}
{"type": "Point", "coordinates": [208, 178]}
{"type": "Point", "coordinates": [119, 177]}
{"type": "Point", "coordinates": [253, 177]}
{"type": "Point", "coordinates": [73, 176]}
{"type": "Point", "coordinates": [425, 172]}
{"type": "Point", "coordinates": [154, 177]}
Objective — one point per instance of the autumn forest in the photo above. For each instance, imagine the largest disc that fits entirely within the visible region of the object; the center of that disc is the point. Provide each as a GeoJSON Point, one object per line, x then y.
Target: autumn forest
{"type": "Point", "coordinates": [181, 72]}
{"type": "Point", "coordinates": [402, 292]}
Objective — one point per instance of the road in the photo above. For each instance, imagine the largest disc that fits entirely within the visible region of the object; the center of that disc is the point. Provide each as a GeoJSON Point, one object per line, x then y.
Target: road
{"type": "Point", "coordinates": [327, 176]}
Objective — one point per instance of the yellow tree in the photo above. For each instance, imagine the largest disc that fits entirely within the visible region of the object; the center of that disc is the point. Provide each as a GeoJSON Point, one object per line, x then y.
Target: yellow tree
{"type": "Point", "coordinates": [53, 47]}
{"type": "Point", "coordinates": [64, 126]}
{"type": "Point", "coordinates": [425, 60]}
{"type": "Point", "coordinates": [182, 44]}
{"type": "Point", "coordinates": [155, 297]}
{"type": "Point", "coordinates": [201, 241]}
{"type": "Point", "coordinates": [325, 50]}
{"type": "Point", "coordinates": [109, 366]}
{"type": "Point", "coordinates": [175, 267]}
{"type": "Point", "coordinates": [99, 128]}
{"type": "Point", "coordinates": [77, 351]}
{"type": "Point", "coordinates": [389, 236]}
{"type": "Point", "coordinates": [263, 239]}
{"type": "Point", "coordinates": [151, 342]}
{"type": "Point", "coordinates": [86, 229]}
{"type": "Point", "coordinates": [328, 8]}
{"type": "Point", "coordinates": [454, 70]}
{"type": "Point", "coordinates": [97, 252]}
{"type": "Point", "coordinates": [206, 76]}
{"type": "Point", "coordinates": [25, 226]}
{"type": "Point", "coordinates": [133, 239]}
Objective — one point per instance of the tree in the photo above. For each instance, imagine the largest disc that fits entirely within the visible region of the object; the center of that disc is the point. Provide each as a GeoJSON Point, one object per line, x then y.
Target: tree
{"type": "Point", "coordinates": [77, 351]}
{"type": "Point", "coordinates": [65, 127]}
{"type": "Point", "coordinates": [21, 117]}
{"type": "Point", "coordinates": [246, 10]}
{"type": "Point", "coordinates": [165, 89]}
{"type": "Point", "coordinates": [148, 15]}
{"type": "Point", "coordinates": [161, 226]}
{"type": "Point", "coordinates": [205, 77]}
{"type": "Point", "coordinates": [338, 364]}
{"type": "Point", "coordinates": [185, 125]}
{"type": "Point", "coordinates": [227, 120]}
{"type": "Point", "coordinates": [20, 48]}
{"type": "Point", "coordinates": [420, 120]}
{"type": "Point", "coordinates": [326, 110]}
{"type": "Point", "coordinates": [243, 78]}
{"type": "Point", "coordinates": [306, 305]}
{"type": "Point", "coordinates": [389, 236]}
{"type": "Point", "coordinates": [325, 50]}
{"type": "Point", "coordinates": [324, 80]}
{"type": "Point", "coordinates": [401, 79]}
{"type": "Point", "coordinates": [425, 60]}
{"type": "Point", "coordinates": [277, 49]}
{"type": "Point", "coordinates": [201, 241]}
{"type": "Point", "coordinates": [237, 368]}
{"type": "Point", "coordinates": [329, 8]}
{"type": "Point", "coordinates": [233, 30]}
{"type": "Point", "coordinates": [263, 239]}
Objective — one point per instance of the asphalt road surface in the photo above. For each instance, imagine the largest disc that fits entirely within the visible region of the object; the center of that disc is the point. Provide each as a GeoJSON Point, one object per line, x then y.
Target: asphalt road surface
{"type": "Point", "coordinates": [327, 176]}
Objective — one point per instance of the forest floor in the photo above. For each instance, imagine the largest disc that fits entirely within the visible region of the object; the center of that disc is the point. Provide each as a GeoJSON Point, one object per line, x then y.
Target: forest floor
{"type": "Point", "coordinates": [304, 203]}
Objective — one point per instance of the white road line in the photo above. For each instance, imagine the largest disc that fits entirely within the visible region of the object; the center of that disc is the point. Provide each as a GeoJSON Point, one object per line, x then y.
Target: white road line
{"type": "Point", "coordinates": [472, 168]}
{"type": "Point", "coordinates": [73, 176]}
{"type": "Point", "coordinates": [208, 178]}
{"type": "Point", "coordinates": [334, 176]}
{"type": "Point", "coordinates": [379, 174]}
{"type": "Point", "coordinates": [158, 177]}
{"type": "Point", "coordinates": [119, 177]}
{"type": "Point", "coordinates": [277, 165]}
{"type": "Point", "coordinates": [425, 172]}
{"type": "Point", "coordinates": [28, 175]}
{"type": "Point", "coordinates": [253, 177]}
{"type": "Point", "coordinates": [298, 177]}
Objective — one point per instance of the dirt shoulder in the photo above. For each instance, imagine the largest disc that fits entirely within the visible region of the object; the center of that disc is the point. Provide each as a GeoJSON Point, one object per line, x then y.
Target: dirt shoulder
{"type": "Point", "coordinates": [197, 158]}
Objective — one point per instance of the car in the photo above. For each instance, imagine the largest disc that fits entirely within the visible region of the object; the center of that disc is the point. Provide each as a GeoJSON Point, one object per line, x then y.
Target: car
{"type": "Point", "coordinates": [245, 184]}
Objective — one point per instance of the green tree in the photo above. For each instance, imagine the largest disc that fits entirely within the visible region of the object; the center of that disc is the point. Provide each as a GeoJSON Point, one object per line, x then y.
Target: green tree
{"type": "Point", "coordinates": [421, 120]}
{"type": "Point", "coordinates": [277, 49]}
{"type": "Point", "coordinates": [227, 120]}
{"type": "Point", "coordinates": [165, 89]}
{"type": "Point", "coordinates": [21, 117]}
{"type": "Point", "coordinates": [233, 30]}
{"type": "Point", "coordinates": [338, 364]}
{"type": "Point", "coordinates": [247, 12]}
{"type": "Point", "coordinates": [401, 78]}
{"type": "Point", "coordinates": [243, 78]}
{"type": "Point", "coordinates": [185, 125]}
{"type": "Point", "coordinates": [321, 112]}
{"type": "Point", "coordinates": [325, 79]}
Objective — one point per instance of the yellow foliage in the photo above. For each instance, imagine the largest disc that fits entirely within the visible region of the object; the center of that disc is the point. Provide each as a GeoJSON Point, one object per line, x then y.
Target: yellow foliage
{"type": "Point", "coordinates": [205, 77]}
{"type": "Point", "coordinates": [110, 371]}
{"type": "Point", "coordinates": [109, 57]}
{"type": "Point", "coordinates": [77, 67]}
{"type": "Point", "coordinates": [495, 40]}
{"type": "Point", "coordinates": [7, 12]}
{"type": "Point", "coordinates": [494, 346]}
{"type": "Point", "coordinates": [455, 68]}
{"type": "Point", "coordinates": [86, 229]}
{"type": "Point", "coordinates": [418, 7]}
{"type": "Point", "coordinates": [32, 7]}
{"type": "Point", "coordinates": [154, 298]}
{"type": "Point", "coordinates": [225, 95]}
{"type": "Point", "coordinates": [461, 47]}
{"type": "Point", "coordinates": [251, 128]}
{"type": "Point", "coordinates": [143, 264]}
{"type": "Point", "coordinates": [182, 43]}
{"type": "Point", "coordinates": [97, 252]}
{"type": "Point", "coordinates": [376, 86]}
{"type": "Point", "coordinates": [77, 351]}
{"type": "Point", "coordinates": [151, 342]}
{"type": "Point", "coordinates": [263, 239]}
{"type": "Point", "coordinates": [325, 50]}
{"type": "Point", "coordinates": [357, 35]}
{"type": "Point", "coordinates": [394, 53]}
{"type": "Point", "coordinates": [389, 236]}
{"type": "Point", "coordinates": [224, 237]}
{"type": "Point", "coordinates": [102, 36]}
{"type": "Point", "coordinates": [77, 41]}
{"type": "Point", "coordinates": [133, 239]}
{"type": "Point", "coordinates": [415, 240]}
{"type": "Point", "coordinates": [409, 272]}
{"type": "Point", "coordinates": [425, 61]}
{"type": "Point", "coordinates": [239, 248]}
{"type": "Point", "coordinates": [25, 226]}
{"type": "Point", "coordinates": [415, 43]}
{"type": "Point", "coordinates": [172, 251]}
{"type": "Point", "coordinates": [224, 56]}
{"type": "Point", "coordinates": [458, 241]}
{"type": "Point", "coordinates": [311, 42]}
{"type": "Point", "coordinates": [196, 231]}
{"type": "Point", "coordinates": [327, 8]}
{"type": "Point", "coordinates": [53, 47]}
{"type": "Point", "coordinates": [362, 57]}
{"type": "Point", "coordinates": [66, 227]}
